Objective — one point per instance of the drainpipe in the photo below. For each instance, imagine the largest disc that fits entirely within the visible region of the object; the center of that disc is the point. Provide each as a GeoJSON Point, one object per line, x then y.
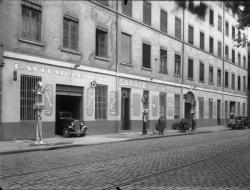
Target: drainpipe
{"type": "Point", "coordinates": [117, 67]}
{"type": "Point", "coordinates": [182, 65]}
{"type": "Point", "coordinates": [223, 65]}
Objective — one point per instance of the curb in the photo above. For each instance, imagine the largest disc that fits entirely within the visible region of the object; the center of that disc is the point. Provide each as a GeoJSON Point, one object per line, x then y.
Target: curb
{"type": "Point", "coordinates": [55, 147]}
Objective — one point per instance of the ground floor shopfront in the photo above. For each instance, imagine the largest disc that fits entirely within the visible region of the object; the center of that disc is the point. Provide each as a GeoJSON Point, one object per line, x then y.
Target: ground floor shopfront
{"type": "Point", "coordinates": [109, 102]}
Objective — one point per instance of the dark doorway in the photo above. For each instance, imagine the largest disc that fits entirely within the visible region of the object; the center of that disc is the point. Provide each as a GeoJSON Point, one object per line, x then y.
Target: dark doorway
{"type": "Point", "coordinates": [163, 104]}
{"type": "Point", "coordinates": [125, 109]}
{"type": "Point", "coordinates": [218, 112]}
{"type": "Point", "coordinates": [188, 108]}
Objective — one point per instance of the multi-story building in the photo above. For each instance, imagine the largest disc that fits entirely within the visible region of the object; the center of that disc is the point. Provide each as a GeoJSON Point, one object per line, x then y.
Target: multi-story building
{"type": "Point", "coordinates": [107, 63]}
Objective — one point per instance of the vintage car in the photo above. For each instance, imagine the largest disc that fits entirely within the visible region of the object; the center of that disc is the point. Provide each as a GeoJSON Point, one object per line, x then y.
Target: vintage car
{"type": "Point", "coordinates": [239, 122]}
{"type": "Point", "coordinates": [67, 125]}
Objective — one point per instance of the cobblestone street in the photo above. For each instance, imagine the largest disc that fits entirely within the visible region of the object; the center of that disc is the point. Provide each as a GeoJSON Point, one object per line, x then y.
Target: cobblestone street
{"type": "Point", "coordinates": [218, 160]}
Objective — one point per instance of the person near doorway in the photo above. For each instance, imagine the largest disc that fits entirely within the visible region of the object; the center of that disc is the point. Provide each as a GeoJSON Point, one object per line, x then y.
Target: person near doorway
{"type": "Point", "coordinates": [193, 121]}
{"type": "Point", "coordinates": [161, 124]}
{"type": "Point", "coordinates": [144, 123]}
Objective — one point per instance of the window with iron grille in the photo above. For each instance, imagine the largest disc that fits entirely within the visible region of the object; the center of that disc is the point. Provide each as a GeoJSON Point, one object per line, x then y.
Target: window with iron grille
{"type": "Point", "coordinates": [233, 55]}
{"type": "Point", "coordinates": [126, 48]}
{"type": "Point", "coordinates": [238, 110]}
{"type": "Point", "coordinates": [177, 27]}
{"type": "Point", "coordinates": [226, 52]}
{"type": "Point", "coordinates": [219, 23]}
{"type": "Point", "coordinates": [244, 109]}
{"type": "Point", "coordinates": [202, 67]}
{"type": "Point", "coordinates": [239, 83]}
{"type": "Point", "coordinates": [219, 77]}
{"type": "Point", "coordinates": [127, 8]}
{"type": "Point", "coordinates": [28, 84]}
{"type": "Point", "coordinates": [210, 107]}
{"type": "Point", "coordinates": [226, 109]}
{"type": "Point", "coordinates": [226, 79]}
{"type": "Point", "coordinates": [177, 68]}
{"type": "Point", "coordinates": [227, 28]}
{"type": "Point", "coordinates": [31, 21]}
{"type": "Point", "coordinates": [163, 61]}
{"type": "Point", "coordinates": [190, 34]}
{"type": "Point", "coordinates": [146, 12]}
{"type": "Point", "coordinates": [101, 102]}
{"type": "Point", "coordinates": [219, 49]}
{"type": "Point", "coordinates": [103, 2]}
{"type": "Point", "coordinates": [202, 40]}
{"type": "Point", "coordinates": [211, 17]}
{"type": "Point", "coordinates": [211, 45]}
{"type": "Point", "coordinates": [239, 59]}
{"type": "Point", "coordinates": [146, 99]}
{"type": "Point", "coordinates": [233, 81]}
{"type": "Point", "coordinates": [201, 107]}
{"type": "Point", "coordinates": [101, 43]}
{"type": "Point", "coordinates": [146, 55]}
{"type": "Point", "coordinates": [164, 21]}
{"type": "Point", "coordinates": [70, 33]}
{"type": "Point", "coordinates": [211, 75]}
{"type": "Point", "coordinates": [233, 32]}
{"type": "Point", "coordinates": [177, 104]}
{"type": "Point", "coordinates": [244, 84]}
{"type": "Point", "coordinates": [244, 62]}
{"type": "Point", "coordinates": [190, 69]}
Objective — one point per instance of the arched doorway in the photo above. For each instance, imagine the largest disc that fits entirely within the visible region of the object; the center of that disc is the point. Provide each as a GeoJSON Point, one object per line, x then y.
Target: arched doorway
{"type": "Point", "coordinates": [190, 106]}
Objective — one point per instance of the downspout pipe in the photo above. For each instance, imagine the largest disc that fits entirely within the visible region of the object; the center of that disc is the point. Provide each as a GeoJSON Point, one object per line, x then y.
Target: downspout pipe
{"type": "Point", "coordinates": [117, 66]}
{"type": "Point", "coordinates": [223, 63]}
{"type": "Point", "coordinates": [182, 65]}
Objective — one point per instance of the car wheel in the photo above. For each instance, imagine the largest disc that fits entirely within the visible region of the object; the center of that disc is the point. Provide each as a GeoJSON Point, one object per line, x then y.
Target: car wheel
{"type": "Point", "coordinates": [66, 132]}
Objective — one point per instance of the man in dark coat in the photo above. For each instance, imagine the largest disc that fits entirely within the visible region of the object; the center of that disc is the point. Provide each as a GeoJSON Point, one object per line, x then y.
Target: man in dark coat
{"type": "Point", "coordinates": [161, 124]}
{"type": "Point", "coordinates": [144, 123]}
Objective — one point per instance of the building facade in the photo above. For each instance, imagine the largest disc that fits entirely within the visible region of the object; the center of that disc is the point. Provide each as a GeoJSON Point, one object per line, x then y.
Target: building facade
{"type": "Point", "coordinates": [107, 63]}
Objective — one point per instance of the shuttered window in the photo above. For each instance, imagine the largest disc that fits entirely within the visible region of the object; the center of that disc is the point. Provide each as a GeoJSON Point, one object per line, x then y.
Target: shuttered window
{"type": "Point", "coordinates": [201, 107]}
{"type": "Point", "coordinates": [219, 49]}
{"type": "Point", "coordinates": [190, 34]}
{"type": "Point", "coordinates": [211, 75]}
{"type": "Point", "coordinates": [177, 68]}
{"type": "Point", "coordinates": [226, 79]}
{"type": "Point", "coordinates": [70, 33]}
{"type": "Point", "coordinates": [202, 72]}
{"type": "Point", "coordinates": [101, 102]}
{"type": "Point", "coordinates": [211, 45]}
{"type": "Point", "coordinates": [219, 77]}
{"type": "Point", "coordinates": [177, 104]}
{"type": "Point", "coordinates": [164, 22]}
{"type": "Point", "coordinates": [239, 83]}
{"type": "Point", "coordinates": [190, 69]}
{"type": "Point", "coordinates": [233, 81]}
{"type": "Point", "coordinates": [146, 55]}
{"type": "Point", "coordinates": [146, 12]}
{"type": "Point", "coordinates": [126, 48]}
{"type": "Point", "coordinates": [226, 52]}
{"type": "Point", "coordinates": [233, 55]}
{"type": "Point", "coordinates": [27, 97]}
{"type": "Point", "coordinates": [101, 43]}
{"type": "Point", "coordinates": [127, 8]}
{"type": "Point", "coordinates": [202, 40]}
{"type": "Point", "coordinates": [163, 61]}
{"type": "Point", "coordinates": [31, 21]}
{"type": "Point", "coordinates": [210, 107]}
{"type": "Point", "coordinates": [177, 27]}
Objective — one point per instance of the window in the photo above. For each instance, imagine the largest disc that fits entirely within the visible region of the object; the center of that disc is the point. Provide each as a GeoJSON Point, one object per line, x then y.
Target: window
{"type": "Point", "coordinates": [239, 36]}
{"type": "Point", "coordinates": [239, 59]}
{"type": "Point", "coordinates": [210, 100]}
{"type": "Point", "coordinates": [146, 12]}
{"type": "Point", "coordinates": [238, 110]}
{"type": "Point", "coordinates": [244, 62]}
{"type": "Point", "coordinates": [201, 107]}
{"type": "Point", "coordinates": [226, 53]}
{"type": "Point", "coordinates": [127, 8]}
{"type": "Point", "coordinates": [219, 77]}
{"type": "Point", "coordinates": [233, 81]}
{"type": "Point", "coordinates": [226, 109]}
{"type": "Point", "coordinates": [211, 75]}
{"type": "Point", "coordinates": [146, 99]}
{"type": "Point", "coordinates": [244, 109]}
{"type": "Point", "coordinates": [177, 68]}
{"type": "Point", "coordinates": [226, 79]}
{"type": "Point", "coordinates": [164, 22]}
{"type": "Point", "coordinates": [177, 28]}
{"type": "Point", "coordinates": [227, 29]}
{"type": "Point", "coordinates": [190, 69]}
{"type": "Point", "coordinates": [219, 23]}
{"type": "Point", "coordinates": [31, 21]}
{"type": "Point", "coordinates": [233, 32]}
{"type": "Point", "coordinates": [70, 33]}
{"type": "Point", "coordinates": [27, 97]}
{"type": "Point", "coordinates": [101, 43]}
{"type": "Point", "coordinates": [146, 56]}
{"type": "Point", "coordinates": [177, 104]}
{"type": "Point", "coordinates": [101, 102]}
{"type": "Point", "coordinates": [244, 84]}
{"type": "Point", "coordinates": [239, 85]}
{"type": "Point", "coordinates": [211, 45]}
{"type": "Point", "coordinates": [211, 17]}
{"type": "Point", "coordinates": [163, 61]}
{"type": "Point", "coordinates": [202, 40]}
{"type": "Point", "coordinates": [104, 2]}
{"type": "Point", "coordinates": [126, 48]}
{"type": "Point", "coordinates": [233, 55]}
{"type": "Point", "coordinates": [219, 49]}
{"type": "Point", "coordinates": [203, 7]}
{"type": "Point", "coordinates": [202, 72]}
{"type": "Point", "coordinates": [190, 34]}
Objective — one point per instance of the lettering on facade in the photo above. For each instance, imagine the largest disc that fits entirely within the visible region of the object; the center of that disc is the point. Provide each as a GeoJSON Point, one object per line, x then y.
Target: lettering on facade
{"type": "Point", "coordinates": [48, 99]}
{"type": "Point", "coordinates": [113, 103]}
{"type": "Point", "coordinates": [90, 101]}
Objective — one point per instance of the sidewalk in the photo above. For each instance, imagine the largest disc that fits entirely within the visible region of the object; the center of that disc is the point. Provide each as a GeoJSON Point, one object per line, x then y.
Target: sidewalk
{"type": "Point", "coordinates": [18, 146]}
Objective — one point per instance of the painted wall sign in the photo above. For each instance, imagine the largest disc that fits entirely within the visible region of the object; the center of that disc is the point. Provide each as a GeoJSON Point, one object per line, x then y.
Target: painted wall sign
{"type": "Point", "coordinates": [48, 100]}
{"type": "Point", "coordinates": [113, 103]}
{"type": "Point", "coordinates": [129, 83]}
{"type": "Point", "coordinates": [90, 101]}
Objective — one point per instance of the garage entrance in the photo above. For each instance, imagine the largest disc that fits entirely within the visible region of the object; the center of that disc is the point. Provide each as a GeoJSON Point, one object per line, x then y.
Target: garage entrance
{"type": "Point", "coordinates": [68, 99]}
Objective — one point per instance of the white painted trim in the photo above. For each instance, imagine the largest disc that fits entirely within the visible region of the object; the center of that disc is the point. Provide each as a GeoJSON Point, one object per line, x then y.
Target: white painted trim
{"type": "Point", "coordinates": [46, 61]}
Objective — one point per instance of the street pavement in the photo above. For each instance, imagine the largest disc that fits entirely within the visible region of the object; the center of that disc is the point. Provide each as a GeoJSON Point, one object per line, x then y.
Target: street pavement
{"type": "Point", "coordinates": [219, 160]}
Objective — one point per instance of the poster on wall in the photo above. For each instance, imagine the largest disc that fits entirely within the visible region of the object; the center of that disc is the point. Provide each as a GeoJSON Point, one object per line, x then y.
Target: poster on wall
{"type": "Point", "coordinates": [48, 100]}
{"type": "Point", "coordinates": [90, 101]}
{"type": "Point", "coordinates": [113, 103]}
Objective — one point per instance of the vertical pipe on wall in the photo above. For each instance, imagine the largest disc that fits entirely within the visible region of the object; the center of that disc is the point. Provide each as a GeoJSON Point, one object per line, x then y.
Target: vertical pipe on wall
{"type": "Point", "coordinates": [223, 66]}
{"type": "Point", "coordinates": [117, 67]}
{"type": "Point", "coordinates": [182, 65]}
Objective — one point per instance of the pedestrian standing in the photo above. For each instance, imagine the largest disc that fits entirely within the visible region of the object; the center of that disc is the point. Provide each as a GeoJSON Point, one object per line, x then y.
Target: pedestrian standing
{"type": "Point", "coordinates": [193, 122]}
{"type": "Point", "coordinates": [161, 124]}
{"type": "Point", "coordinates": [144, 123]}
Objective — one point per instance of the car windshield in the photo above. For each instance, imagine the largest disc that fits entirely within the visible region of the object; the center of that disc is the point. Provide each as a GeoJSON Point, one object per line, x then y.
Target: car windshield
{"type": "Point", "coordinates": [67, 115]}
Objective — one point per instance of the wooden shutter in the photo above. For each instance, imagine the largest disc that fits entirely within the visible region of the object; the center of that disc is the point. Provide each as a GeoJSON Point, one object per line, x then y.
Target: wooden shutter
{"type": "Point", "coordinates": [126, 48]}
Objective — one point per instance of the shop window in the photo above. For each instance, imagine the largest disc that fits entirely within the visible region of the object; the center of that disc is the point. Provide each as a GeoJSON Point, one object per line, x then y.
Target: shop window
{"type": "Point", "coordinates": [28, 84]}
{"type": "Point", "coordinates": [190, 69]}
{"type": "Point", "coordinates": [126, 48]}
{"type": "Point", "coordinates": [201, 79]}
{"type": "Point", "coordinates": [177, 104]}
{"type": "Point", "coordinates": [31, 21]}
{"type": "Point", "coordinates": [219, 77]}
{"type": "Point", "coordinates": [210, 108]}
{"type": "Point", "coordinates": [177, 68]}
{"type": "Point", "coordinates": [146, 12]}
{"type": "Point", "coordinates": [202, 40]}
{"type": "Point", "coordinates": [146, 55]}
{"type": "Point", "coordinates": [164, 22]}
{"type": "Point", "coordinates": [178, 28]}
{"type": "Point", "coordinates": [163, 61]}
{"type": "Point", "coordinates": [190, 34]}
{"type": "Point", "coordinates": [70, 33]}
{"type": "Point", "coordinates": [127, 8]}
{"type": "Point", "coordinates": [201, 107]}
{"type": "Point", "coordinates": [101, 102]}
{"type": "Point", "coordinates": [101, 43]}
